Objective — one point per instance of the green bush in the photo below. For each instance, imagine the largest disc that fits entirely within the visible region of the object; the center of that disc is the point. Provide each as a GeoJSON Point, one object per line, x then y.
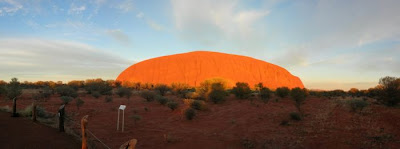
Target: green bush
{"type": "Point", "coordinates": [207, 86]}
{"type": "Point", "coordinates": [66, 99]}
{"type": "Point", "coordinates": [218, 93]}
{"type": "Point", "coordinates": [282, 92]}
{"type": "Point", "coordinates": [356, 104]}
{"type": "Point", "coordinates": [65, 90]}
{"type": "Point", "coordinates": [390, 91]}
{"type": "Point", "coordinates": [136, 118]}
{"type": "Point", "coordinates": [148, 95]}
{"type": "Point", "coordinates": [172, 105]}
{"type": "Point", "coordinates": [124, 91]}
{"type": "Point", "coordinates": [265, 94]}
{"type": "Point", "coordinates": [162, 100]}
{"type": "Point", "coordinates": [241, 90]}
{"type": "Point", "coordinates": [179, 89]}
{"type": "Point", "coordinates": [299, 96]}
{"type": "Point", "coordinates": [162, 89]}
{"type": "Point", "coordinates": [295, 116]}
{"type": "Point", "coordinates": [96, 94]}
{"type": "Point", "coordinates": [197, 104]}
{"type": "Point", "coordinates": [190, 113]}
{"type": "Point", "coordinates": [108, 99]}
{"type": "Point", "coordinates": [79, 102]}
{"type": "Point", "coordinates": [98, 85]}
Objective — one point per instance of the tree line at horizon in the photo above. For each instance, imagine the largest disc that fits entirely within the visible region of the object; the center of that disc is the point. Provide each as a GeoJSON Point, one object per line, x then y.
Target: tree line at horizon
{"type": "Point", "coordinates": [214, 90]}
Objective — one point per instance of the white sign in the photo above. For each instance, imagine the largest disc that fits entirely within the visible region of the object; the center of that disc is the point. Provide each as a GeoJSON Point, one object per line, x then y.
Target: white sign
{"type": "Point", "coordinates": [122, 107]}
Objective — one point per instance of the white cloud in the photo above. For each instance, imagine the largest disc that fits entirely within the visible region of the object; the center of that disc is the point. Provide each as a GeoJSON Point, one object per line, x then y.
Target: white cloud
{"type": "Point", "coordinates": [32, 59]}
{"type": "Point", "coordinates": [126, 6]}
{"type": "Point", "coordinates": [74, 9]}
{"type": "Point", "coordinates": [119, 36]}
{"type": "Point", "coordinates": [140, 15]}
{"type": "Point", "coordinates": [10, 7]}
{"type": "Point", "coordinates": [211, 21]}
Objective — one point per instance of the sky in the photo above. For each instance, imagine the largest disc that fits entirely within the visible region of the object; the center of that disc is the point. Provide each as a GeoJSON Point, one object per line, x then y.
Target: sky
{"type": "Point", "coordinates": [328, 44]}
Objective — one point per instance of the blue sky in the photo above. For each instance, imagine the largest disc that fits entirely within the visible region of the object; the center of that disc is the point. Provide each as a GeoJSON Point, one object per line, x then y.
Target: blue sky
{"type": "Point", "coordinates": [328, 44]}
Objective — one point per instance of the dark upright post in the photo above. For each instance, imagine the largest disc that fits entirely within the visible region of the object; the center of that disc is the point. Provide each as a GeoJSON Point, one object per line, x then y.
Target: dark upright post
{"type": "Point", "coordinates": [61, 115]}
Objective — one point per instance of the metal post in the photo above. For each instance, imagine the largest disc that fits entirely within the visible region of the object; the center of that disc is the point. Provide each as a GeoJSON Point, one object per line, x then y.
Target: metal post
{"type": "Point", "coordinates": [61, 114]}
{"type": "Point", "coordinates": [123, 118]}
{"type": "Point", "coordinates": [118, 120]}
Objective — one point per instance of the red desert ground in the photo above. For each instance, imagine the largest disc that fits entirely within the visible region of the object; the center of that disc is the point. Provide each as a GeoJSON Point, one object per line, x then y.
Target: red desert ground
{"type": "Point", "coordinates": [204, 100]}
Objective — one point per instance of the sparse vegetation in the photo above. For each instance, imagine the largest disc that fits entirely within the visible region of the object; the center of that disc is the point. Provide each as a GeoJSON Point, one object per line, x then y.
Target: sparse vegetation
{"type": "Point", "coordinates": [357, 104]}
{"type": "Point", "coordinates": [218, 93]}
{"type": "Point", "coordinates": [96, 94]}
{"type": "Point", "coordinates": [242, 90]}
{"type": "Point", "coordinates": [124, 91]}
{"type": "Point", "coordinates": [148, 95]}
{"type": "Point", "coordinates": [172, 105]}
{"type": "Point", "coordinates": [190, 113]}
{"type": "Point", "coordinates": [248, 144]}
{"type": "Point", "coordinates": [162, 100]}
{"type": "Point", "coordinates": [66, 99]}
{"type": "Point", "coordinates": [299, 96]}
{"type": "Point", "coordinates": [108, 99]}
{"type": "Point", "coordinates": [198, 105]}
{"type": "Point", "coordinates": [98, 85]}
{"type": "Point", "coordinates": [282, 91]}
{"type": "Point", "coordinates": [136, 118]}
{"type": "Point", "coordinates": [162, 89]}
{"type": "Point", "coordinates": [180, 89]}
{"type": "Point", "coordinates": [216, 84]}
{"type": "Point", "coordinates": [265, 94]}
{"type": "Point", "coordinates": [295, 116]}
{"type": "Point", "coordinates": [65, 90]}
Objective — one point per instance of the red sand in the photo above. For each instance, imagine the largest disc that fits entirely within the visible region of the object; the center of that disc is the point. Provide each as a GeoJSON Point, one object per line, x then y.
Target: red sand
{"type": "Point", "coordinates": [17, 133]}
{"type": "Point", "coordinates": [195, 67]}
{"type": "Point", "coordinates": [327, 124]}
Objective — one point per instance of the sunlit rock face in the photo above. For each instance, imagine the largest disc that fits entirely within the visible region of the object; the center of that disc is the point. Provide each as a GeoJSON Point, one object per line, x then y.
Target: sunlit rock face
{"type": "Point", "coordinates": [194, 67]}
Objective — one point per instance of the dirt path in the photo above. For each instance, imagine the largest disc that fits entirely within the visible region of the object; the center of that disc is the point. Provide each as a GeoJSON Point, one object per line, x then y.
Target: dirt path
{"type": "Point", "coordinates": [20, 133]}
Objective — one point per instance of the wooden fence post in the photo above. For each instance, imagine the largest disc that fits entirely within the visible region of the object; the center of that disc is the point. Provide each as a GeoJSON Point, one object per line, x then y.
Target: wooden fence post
{"type": "Point", "coordinates": [84, 123]}
{"type": "Point", "coordinates": [61, 115]}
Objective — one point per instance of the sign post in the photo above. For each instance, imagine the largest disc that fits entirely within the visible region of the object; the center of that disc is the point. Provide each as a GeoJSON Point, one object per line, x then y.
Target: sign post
{"type": "Point", "coordinates": [121, 107]}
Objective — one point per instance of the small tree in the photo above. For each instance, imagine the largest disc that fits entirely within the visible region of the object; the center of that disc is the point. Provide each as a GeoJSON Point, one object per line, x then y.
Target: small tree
{"type": "Point", "coordinates": [299, 96]}
{"type": "Point", "coordinates": [265, 94]}
{"type": "Point", "coordinates": [242, 90]}
{"type": "Point", "coordinates": [353, 92]}
{"type": "Point", "coordinates": [218, 93]}
{"type": "Point", "coordinates": [282, 92]}
{"type": "Point", "coordinates": [162, 89]}
{"type": "Point", "coordinates": [390, 90]}
{"type": "Point", "coordinates": [13, 91]}
{"type": "Point", "coordinates": [79, 102]}
{"type": "Point", "coordinates": [65, 90]}
{"type": "Point", "coordinates": [172, 105]}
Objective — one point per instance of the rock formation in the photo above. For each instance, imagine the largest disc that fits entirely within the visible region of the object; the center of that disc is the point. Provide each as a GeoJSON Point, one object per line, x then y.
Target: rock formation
{"type": "Point", "coordinates": [194, 67]}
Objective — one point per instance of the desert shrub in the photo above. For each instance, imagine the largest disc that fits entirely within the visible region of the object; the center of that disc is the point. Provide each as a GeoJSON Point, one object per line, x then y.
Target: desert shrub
{"type": "Point", "coordinates": [136, 118]}
{"type": "Point", "coordinates": [284, 123]}
{"type": "Point", "coordinates": [108, 99]}
{"type": "Point", "coordinates": [390, 91]}
{"type": "Point", "coordinates": [162, 89]}
{"type": "Point", "coordinates": [26, 112]}
{"type": "Point", "coordinates": [354, 92]}
{"type": "Point", "coordinates": [98, 85]}
{"type": "Point", "coordinates": [295, 116]}
{"type": "Point", "coordinates": [356, 104]}
{"type": "Point", "coordinates": [75, 84]}
{"type": "Point", "coordinates": [146, 109]}
{"type": "Point", "coordinates": [162, 100]}
{"type": "Point", "coordinates": [282, 91]}
{"type": "Point", "coordinates": [66, 99]}
{"type": "Point", "coordinates": [218, 93]}
{"type": "Point", "coordinates": [96, 94]}
{"type": "Point", "coordinates": [198, 105]}
{"type": "Point", "coordinates": [79, 103]}
{"type": "Point", "coordinates": [65, 90]}
{"type": "Point", "coordinates": [248, 144]}
{"type": "Point", "coordinates": [148, 95]}
{"type": "Point", "coordinates": [265, 94]}
{"type": "Point", "coordinates": [172, 105]}
{"type": "Point", "coordinates": [5, 109]}
{"type": "Point", "coordinates": [206, 87]}
{"type": "Point", "coordinates": [179, 89]}
{"type": "Point", "coordinates": [241, 90]}
{"type": "Point", "coordinates": [299, 96]}
{"type": "Point", "coordinates": [190, 113]}
{"type": "Point", "coordinates": [124, 91]}
{"type": "Point", "coordinates": [46, 92]}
